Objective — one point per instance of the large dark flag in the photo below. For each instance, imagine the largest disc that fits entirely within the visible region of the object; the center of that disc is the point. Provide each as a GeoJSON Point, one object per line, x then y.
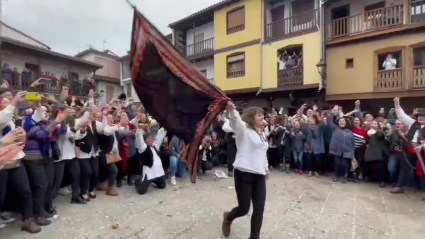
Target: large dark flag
{"type": "Point", "coordinates": [171, 89]}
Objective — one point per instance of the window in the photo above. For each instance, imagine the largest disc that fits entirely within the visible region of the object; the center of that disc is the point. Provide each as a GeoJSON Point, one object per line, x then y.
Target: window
{"type": "Point", "coordinates": [236, 65]}
{"type": "Point", "coordinates": [199, 37]}
{"type": "Point", "coordinates": [419, 56]}
{"type": "Point", "coordinates": [389, 61]}
{"type": "Point", "coordinates": [349, 63]}
{"type": "Point", "coordinates": [236, 20]}
{"type": "Point", "coordinates": [302, 6]}
{"type": "Point", "coordinates": [73, 75]}
{"type": "Point", "coordinates": [128, 90]}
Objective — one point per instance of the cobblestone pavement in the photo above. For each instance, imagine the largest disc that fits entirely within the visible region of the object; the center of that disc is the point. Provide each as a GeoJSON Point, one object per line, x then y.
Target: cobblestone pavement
{"type": "Point", "coordinates": [296, 207]}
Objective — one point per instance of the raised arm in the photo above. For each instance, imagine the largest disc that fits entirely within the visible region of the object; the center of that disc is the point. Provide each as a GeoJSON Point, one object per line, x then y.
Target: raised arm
{"type": "Point", "coordinates": [236, 123]}
{"type": "Point", "coordinates": [159, 138]}
{"type": "Point", "coordinates": [404, 118]}
{"type": "Point", "coordinates": [226, 126]}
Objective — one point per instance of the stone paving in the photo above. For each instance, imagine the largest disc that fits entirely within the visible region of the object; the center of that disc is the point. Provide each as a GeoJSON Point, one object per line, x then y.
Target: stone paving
{"type": "Point", "coordinates": [296, 207]}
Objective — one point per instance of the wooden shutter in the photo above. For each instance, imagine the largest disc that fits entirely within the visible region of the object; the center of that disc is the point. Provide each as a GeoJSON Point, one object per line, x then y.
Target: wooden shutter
{"type": "Point", "coordinates": [236, 20]}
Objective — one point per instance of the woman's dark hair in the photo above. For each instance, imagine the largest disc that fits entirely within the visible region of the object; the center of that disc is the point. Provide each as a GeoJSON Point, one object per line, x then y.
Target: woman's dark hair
{"type": "Point", "coordinates": [249, 114]}
{"type": "Point", "coordinates": [147, 135]}
{"type": "Point", "coordinates": [361, 120]}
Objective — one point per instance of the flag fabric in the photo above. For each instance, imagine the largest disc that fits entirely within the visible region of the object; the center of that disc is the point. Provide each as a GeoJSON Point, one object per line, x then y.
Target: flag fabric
{"type": "Point", "coordinates": [171, 89]}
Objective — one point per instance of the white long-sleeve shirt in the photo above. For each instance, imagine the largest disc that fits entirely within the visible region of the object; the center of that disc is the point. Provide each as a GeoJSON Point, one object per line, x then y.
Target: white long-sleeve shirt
{"type": "Point", "coordinates": [156, 170]}
{"type": "Point", "coordinates": [390, 64]}
{"type": "Point", "coordinates": [67, 147]}
{"type": "Point", "coordinates": [251, 155]}
{"type": "Point", "coordinates": [99, 129]}
{"type": "Point", "coordinates": [282, 64]}
{"type": "Point", "coordinates": [226, 126]}
{"type": "Point", "coordinates": [408, 122]}
{"type": "Point", "coordinates": [6, 120]}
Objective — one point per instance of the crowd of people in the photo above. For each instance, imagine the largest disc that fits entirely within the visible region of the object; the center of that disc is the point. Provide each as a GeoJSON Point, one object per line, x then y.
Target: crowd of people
{"type": "Point", "coordinates": [68, 146]}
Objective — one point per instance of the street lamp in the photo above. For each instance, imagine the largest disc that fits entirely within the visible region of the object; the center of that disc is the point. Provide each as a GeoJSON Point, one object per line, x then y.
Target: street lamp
{"type": "Point", "coordinates": [321, 68]}
{"type": "Point", "coordinates": [321, 65]}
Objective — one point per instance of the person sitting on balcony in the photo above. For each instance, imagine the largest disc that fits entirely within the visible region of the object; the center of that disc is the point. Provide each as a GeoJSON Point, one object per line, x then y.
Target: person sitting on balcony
{"type": "Point", "coordinates": [390, 63]}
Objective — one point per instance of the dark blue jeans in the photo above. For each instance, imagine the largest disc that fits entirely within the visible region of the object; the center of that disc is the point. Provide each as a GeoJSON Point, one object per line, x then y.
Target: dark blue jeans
{"type": "Point", "coordinates": [393, 167]}
{"type": "Point", "coordinates": [177, 168]}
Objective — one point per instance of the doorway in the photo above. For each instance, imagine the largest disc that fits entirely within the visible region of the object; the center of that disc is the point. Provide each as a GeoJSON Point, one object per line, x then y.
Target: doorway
{"type": "Point", "coordinates": [341, 28]}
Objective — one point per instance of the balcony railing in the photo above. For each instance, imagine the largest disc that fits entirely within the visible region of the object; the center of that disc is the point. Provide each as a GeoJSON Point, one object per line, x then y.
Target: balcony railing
{"type": "Point", "coordinates": [367, 21]}
{"type": "Point", "coordinates": [418, 77]}
{"type": "Point", "coordinates": [295, 25]}
{"type": "Point", "coordinates": [293, 76]}
{"type": "Point", "coordinates": [199, 48]}
{"type": "Point", "coordinates": [388, 80]}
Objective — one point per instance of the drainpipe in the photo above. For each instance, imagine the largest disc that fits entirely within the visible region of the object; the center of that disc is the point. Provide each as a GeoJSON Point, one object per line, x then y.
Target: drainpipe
{"type": "Point", "coordinates": [322, 40]}
{"type": "Point", "coordinates": [261, 48]}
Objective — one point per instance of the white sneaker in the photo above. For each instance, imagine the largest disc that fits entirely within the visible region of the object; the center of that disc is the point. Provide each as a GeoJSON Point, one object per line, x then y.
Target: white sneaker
{"type": "Point", "coordinates": [173, 180]}
{"type": "Point", "coordinates": [6, 217]}
{"type": "Point", "coordinates": [2, 224]}
{"type": "Point", "coordinates": [64, 191]}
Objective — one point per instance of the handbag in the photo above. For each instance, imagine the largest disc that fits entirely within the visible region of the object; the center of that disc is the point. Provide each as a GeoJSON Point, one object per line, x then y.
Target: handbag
{"type": "Point", "coordinates": [112, 158]}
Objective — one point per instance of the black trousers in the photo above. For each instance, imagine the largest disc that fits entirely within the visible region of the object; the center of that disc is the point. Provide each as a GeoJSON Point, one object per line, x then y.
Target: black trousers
{"type": "Point", "coordinates": [85, 176]}
{"type": "Point", "coordinates": [359, 155]}
{"type": "Point", "coordinates": [313, 162]}
{"type": "Point", "coordinates": [18, 179]}
{"type": "Point", "coordinates": [341, 165]}
{"type": "Point", "coordinates": [142, 185]}
{"type": "Point", "coordinates": [74, 170]}
{"type": "Point", "coordinates": [250, 186]}
{"type": "Point", "coordinates": [58, 176]}
{"type": "Point", "coordinates": [131, 166]}
{"type": "Point", "coordinates": [405, 168]}
{"type": "Point", "coordinates": [273, 157]}
{"type": "Point", "coordinates": [110, 171]}
{"type": "Point", "coordinates": [231, 153]}
{"type": "Point", "coordinates": [40, 175]}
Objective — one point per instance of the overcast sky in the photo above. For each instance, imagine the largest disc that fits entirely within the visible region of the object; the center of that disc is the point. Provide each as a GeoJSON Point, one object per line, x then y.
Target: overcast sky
{"type": "Point", "coordinates": [70, 26]}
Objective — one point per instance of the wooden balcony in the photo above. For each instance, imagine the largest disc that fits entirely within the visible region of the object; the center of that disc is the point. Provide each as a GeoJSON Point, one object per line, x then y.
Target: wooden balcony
{"type": "Point", "coordinates": [369, 21]}
{"type": "Point", "coordinates": [292, 26]}
{"type": "Point", "coordinates": [76, 88]}
{"type": "Point", "coordinates": [287, 77]}
{"type": "Point", "coordinates": [199, 49]}
{"type": "Point", "coordinates": [389, 80]}
{"type": "Point", "coordinates": [418, 77]}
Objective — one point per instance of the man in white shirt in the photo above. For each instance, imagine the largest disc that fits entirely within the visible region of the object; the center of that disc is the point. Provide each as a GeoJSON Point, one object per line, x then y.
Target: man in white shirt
{"type": "Point", "coordinates": [390, 63]}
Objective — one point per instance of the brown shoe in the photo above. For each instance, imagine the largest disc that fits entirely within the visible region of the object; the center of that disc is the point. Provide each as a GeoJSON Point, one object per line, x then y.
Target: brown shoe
{"type": "Point", "coordinates": [397, 190]}
{"type": "Point", "coordinates": [226, 226]}
{"type": "Point", "coordinates": [101, 187]}
{"type": "Point", "coordinates": [42, 221]}
{"type": "Point", "coordinates": [111, 191]}
{"type": "Point", "coordinates": [30, 226]}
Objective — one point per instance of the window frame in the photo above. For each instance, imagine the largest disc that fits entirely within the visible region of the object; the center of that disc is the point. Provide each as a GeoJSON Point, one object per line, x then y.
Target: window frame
{"type": "Point", "coordinates": [347, 65]}
{"type": "Point", "coordinates": [227, 64]}
{"type": "Point", "coordinates": [238, 28]}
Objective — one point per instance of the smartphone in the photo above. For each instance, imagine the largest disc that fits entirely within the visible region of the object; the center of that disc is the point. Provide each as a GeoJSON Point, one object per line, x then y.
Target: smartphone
{"type": "Point", "coordinates": [31, 96]}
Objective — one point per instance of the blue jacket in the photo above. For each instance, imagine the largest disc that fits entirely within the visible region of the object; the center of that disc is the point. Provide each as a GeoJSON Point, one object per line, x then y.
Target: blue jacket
{"type": "Point", "coordinates": [342, 142]}
{"type": "Point", "coordinates": [297, 141]}
{"type": "Point", "coordinates": [318, 141]}
{"type": "Point", "coordinates": [39, 138]}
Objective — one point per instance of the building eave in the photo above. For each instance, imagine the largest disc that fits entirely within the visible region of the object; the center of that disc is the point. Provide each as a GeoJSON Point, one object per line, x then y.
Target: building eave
{"type": "Point", "coordinates": [45, 51]}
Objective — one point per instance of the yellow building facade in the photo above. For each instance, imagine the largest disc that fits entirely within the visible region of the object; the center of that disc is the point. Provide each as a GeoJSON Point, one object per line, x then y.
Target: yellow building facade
{"type": "Point", "coordinates": [378, 56]}
{"type": "Point", "coordinates": [249, 35]}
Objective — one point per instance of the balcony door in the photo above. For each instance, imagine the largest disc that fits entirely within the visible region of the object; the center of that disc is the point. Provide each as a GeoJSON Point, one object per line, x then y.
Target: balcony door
{"type": "Point", "coordinates": [278, 23]}
{"type": "Point", "coordinates": [340, 17]}
{"type": "Point", "coordinates": [199, 43]}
